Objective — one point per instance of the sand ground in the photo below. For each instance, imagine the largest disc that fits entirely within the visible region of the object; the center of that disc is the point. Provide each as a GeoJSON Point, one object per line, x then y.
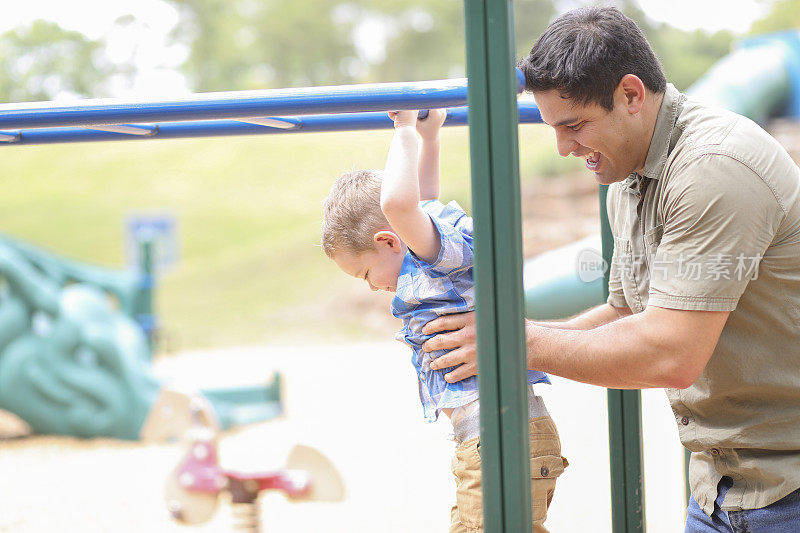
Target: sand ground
{"type": "Point", "coordinates": [358, 404]}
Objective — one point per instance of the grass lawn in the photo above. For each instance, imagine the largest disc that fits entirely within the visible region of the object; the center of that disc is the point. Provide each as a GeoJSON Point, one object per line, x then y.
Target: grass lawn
{"type": "Point", "coordinates": [248, 213]}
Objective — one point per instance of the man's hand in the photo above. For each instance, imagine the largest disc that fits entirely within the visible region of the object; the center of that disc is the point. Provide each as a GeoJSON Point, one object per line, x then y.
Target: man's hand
{"type": "Point", "coordinates": [403, 118]}
{"type": "Point", "coordinates": [428, 128]}
{"type": "Point", "coordinates": [459, 338]}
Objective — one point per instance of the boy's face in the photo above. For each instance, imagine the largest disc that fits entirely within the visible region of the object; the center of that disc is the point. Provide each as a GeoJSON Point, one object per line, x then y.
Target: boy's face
{"type": "Point", "coordinates": [379, 267]}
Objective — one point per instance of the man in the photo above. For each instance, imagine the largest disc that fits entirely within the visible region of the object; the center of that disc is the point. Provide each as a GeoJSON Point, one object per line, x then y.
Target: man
{"type": "Point", "coordinates": [705, 281]}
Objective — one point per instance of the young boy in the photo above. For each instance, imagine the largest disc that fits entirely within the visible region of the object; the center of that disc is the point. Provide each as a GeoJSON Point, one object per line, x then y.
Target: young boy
{"type": "Point", "coordinates": [390, 230]}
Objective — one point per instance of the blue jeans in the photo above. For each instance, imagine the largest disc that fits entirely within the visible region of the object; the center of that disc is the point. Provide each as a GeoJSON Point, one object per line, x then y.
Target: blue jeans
{"type": "Point", "coordinates": [782, 516]}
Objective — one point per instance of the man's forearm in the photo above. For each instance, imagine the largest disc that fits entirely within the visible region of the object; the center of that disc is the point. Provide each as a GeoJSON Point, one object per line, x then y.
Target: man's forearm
{"type": "Point", "coordinates": [658, 347]}
{"type": "Point", "coordinates": [595, 317]}
{"type": "Point", "coordinates": [623, 354]}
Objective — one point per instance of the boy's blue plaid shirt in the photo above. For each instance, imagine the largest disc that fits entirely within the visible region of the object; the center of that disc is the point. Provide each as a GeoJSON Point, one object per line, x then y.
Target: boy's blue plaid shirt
{"type": "Point", "coordinates": [428, 290]}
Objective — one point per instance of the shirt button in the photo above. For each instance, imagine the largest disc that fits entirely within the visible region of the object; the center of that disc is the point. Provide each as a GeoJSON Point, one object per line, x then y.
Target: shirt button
{"type": "Point", "coordinates": [544, 471]}
{"type": "Point", "coordinates": [714, 451]}
{"type": "Point", "coordinates": [685, 420]}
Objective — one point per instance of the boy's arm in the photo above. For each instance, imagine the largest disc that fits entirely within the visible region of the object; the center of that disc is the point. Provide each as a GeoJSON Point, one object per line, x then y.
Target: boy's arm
{"type": "Point", "coordinates": [400, 191]}
{"type": "Point", "coordinates": [428, 130]}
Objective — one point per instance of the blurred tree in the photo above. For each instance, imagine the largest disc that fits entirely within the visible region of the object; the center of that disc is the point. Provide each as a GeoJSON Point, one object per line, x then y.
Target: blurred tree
{"type": "Point", "coordinates": [423, 40]}
{"type": "Point", "coordinates": [42, 61]}
{"type": "Point", "coordinates": [688, 55]}
{"type": "Point", "coordinates": [428, 38]}
{"type": "Point", "coordinates": [531, 17]}
{"type": "Point", "coordinates": [248, 44]}
{"type": "Point", "coordinates": [685, 55]}
{"type": "Point", "coordinates": [783, 15]}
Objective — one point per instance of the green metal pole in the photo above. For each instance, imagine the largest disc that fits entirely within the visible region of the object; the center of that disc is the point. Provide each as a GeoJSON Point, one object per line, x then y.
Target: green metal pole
{"type": "Point", "coordinates": [494, 154]}
{"type": "Point", "coordinates": [624, 427]}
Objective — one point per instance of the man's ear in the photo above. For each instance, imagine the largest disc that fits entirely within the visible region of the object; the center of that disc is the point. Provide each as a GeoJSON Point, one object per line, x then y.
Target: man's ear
{"type": "Point", "coordinates": [631, 92]}
{"type": "Point", "coordinates": [388, 239]}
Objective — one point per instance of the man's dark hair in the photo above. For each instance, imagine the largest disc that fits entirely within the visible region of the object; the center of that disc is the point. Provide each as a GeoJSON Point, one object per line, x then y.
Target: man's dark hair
{"type": "Point", "coordinates": [585, 53]}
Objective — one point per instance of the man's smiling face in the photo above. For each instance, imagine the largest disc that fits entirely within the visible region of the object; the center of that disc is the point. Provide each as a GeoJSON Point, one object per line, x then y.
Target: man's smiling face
{"type": "Point", "coordinates": [604, 139]}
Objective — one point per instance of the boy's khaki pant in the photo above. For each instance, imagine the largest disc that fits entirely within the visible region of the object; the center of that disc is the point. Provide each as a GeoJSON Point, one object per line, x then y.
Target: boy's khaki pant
{"type": "Point", "coordinates": [547, 464]}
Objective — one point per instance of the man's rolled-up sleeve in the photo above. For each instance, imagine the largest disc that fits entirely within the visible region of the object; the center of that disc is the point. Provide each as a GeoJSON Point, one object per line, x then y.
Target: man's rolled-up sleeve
{"type": "Point", "coordinates": [719, 219]}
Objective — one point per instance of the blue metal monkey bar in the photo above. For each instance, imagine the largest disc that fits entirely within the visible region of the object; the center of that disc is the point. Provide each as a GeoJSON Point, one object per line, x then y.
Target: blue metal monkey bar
{"type": "Point", "coordinates": [238, 104]}
{"type": "Point", "coordinates": [456, 116]}
{"type": "Point", "coordinates": [347, 107]}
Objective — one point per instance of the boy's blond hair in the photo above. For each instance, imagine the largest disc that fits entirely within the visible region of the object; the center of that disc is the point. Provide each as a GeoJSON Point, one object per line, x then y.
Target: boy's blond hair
{"type": "Point", "coordinates": [352, 213]}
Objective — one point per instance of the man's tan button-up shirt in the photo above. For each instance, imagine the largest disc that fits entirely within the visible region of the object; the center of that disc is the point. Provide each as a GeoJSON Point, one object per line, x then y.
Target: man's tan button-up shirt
{"type": "Point", "coordinates": [713, 224]}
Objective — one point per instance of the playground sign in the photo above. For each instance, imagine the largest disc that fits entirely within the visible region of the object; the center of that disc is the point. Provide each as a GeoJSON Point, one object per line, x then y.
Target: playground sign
{"type": "Point", "coordinates": [160, 230]}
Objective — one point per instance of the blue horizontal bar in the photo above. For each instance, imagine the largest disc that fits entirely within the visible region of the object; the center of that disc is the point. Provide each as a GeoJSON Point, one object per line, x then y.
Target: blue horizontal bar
{"type": "Point", "coordinates": [242, 104]}
{"type": "Point", "coordinates": [456, 116]}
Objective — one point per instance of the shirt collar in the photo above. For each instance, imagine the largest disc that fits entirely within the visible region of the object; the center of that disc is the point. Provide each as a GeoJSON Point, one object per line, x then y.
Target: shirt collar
{"type": "Point", "coordinates": [660, 144]}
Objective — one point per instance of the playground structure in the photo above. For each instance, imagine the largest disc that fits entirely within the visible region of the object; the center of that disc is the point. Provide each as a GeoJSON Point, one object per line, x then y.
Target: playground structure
{"type": "Point", "coordinates": [75, 353]}
{"type": "Point", "coordinates": [492, 116]}
{"type": "Point", "coordinates": [193, 489]}
{"type": "Point", "coordinates": [759, 79]}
